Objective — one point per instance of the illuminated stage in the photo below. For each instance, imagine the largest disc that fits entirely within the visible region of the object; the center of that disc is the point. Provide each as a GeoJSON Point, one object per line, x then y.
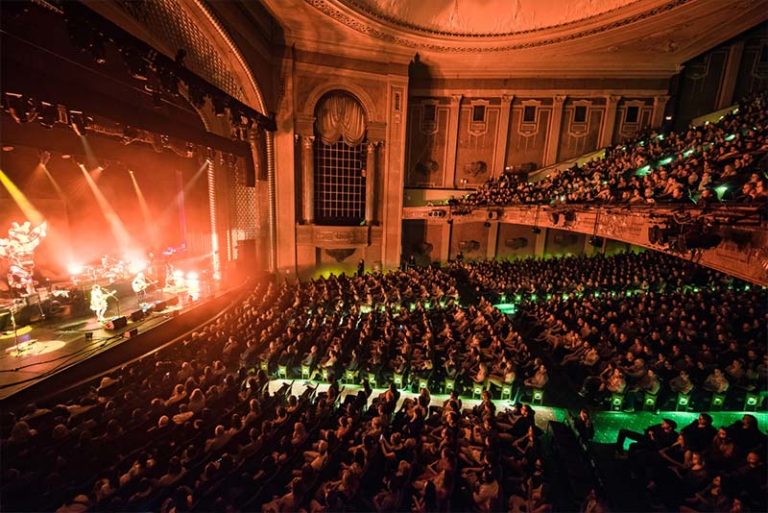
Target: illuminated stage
{"type": "Point", "coordinates": [48, 348]}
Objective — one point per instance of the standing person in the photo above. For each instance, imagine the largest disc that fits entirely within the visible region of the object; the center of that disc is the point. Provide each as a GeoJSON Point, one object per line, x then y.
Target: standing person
{"type": "Point", "coordinates": [361, 267]}
{"type": "Point", "coordinates": [99, 302]}
{"type": "Point", "coordinates": [140, 284]}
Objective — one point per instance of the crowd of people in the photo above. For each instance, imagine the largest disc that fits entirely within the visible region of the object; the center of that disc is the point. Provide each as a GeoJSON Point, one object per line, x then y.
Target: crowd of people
{"type": "Point", "coordinates": [635, 324]}
{"type": "Point", "coordinates": [202, 424]}
{"type": "Point", "coordinates": [699, 468]}
{"type": "Point", "coordinates": [720, 161]}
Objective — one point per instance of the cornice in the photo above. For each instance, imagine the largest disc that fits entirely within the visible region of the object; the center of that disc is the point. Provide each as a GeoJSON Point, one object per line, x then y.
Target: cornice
{"type": "Point", "coordinates": [338, 11]}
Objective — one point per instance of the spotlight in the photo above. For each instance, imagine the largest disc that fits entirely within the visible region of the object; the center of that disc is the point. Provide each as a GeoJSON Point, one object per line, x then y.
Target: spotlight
{"type": "Point", "coordinates": [79, 122]}
{"type": "Point", "coordinates": [74, 269]}
{"type": "Point", "coordinates": [45, 157]}
{"type": "Point", "coordinates": [21, 109]}
{"type": "Point", "coordinates": [8, 147]}
{"type": "Point", "coordinates": [48, 115]}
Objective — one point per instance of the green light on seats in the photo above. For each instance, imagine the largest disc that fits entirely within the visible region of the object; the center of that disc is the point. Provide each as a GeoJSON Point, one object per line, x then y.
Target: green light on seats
{"type": "Point", "coordinates": [549, 296]}
{"type": "Point", "coordinates": [518, 298]}
{"type": "Point", "coordinates": [720, 190]}
{"type": "Point", "coordinates": [730, 137]}
{"type": "Point", "coordinates": [747, 287]}
{"type": "Point", "coordinates": [643, 171]}
{"type": "Point", "coordinates": [597, 293]}
{"type": "Point", "coordinates": [427, 305]}
{"type": "Point", "coordinates": [751, 400]}
{"type": "Point", "coordinates": [365, 309]}
{"type": "Point", "coordinates": [665, 161]}
{"type": "Point", "coordinates": [503, 298]}
{"type": "Point", "coordinates": [506, 308]}
{"type": "Point", "coordinates": [565, 296]}
{"type": "Point", "coordinates": [641, 143]}
{"type": "Point", "coordinates": [687, 153]}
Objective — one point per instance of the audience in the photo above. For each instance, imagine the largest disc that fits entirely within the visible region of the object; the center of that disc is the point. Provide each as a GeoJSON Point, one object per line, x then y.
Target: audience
{"type": "Point", "coordinates": [710, 163]}
{"type": "Point", "coordinates": [197, 426]}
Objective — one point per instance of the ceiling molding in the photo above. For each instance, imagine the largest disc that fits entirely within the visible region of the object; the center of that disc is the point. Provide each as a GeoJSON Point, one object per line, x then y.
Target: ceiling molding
{"type": "Point", "coordinates": [437, 41]}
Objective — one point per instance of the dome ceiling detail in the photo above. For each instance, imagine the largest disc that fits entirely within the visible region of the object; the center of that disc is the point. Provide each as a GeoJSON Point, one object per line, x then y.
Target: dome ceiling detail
{"type": "Point", "coordinates": [456, 24]}
{"type": "Point", "coordinates": [483, 18]}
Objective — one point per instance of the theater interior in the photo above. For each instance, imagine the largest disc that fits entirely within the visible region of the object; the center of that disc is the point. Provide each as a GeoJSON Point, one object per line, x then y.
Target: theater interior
{"type": "Point", "coordinates": [384, 255]}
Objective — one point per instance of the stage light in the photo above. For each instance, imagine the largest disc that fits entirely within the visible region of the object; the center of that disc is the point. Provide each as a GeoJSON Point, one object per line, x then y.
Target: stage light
{"type": "Point", "coordinates": [192, 276]}
{"type": "Point", "coordinates": [48, 115]}
{"type": "Point", "coordinates": [8, 147]}
{"type": "Point", "coordinates": [74, 269]}
{"type": "Point", "coordinates": [21, 108]}
{"type": "Point", "coordinates": [79, 122]}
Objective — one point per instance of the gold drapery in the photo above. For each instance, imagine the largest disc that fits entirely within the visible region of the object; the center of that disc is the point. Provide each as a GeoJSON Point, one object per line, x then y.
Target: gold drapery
{"type": "Point", "coordinates": [340, 116]}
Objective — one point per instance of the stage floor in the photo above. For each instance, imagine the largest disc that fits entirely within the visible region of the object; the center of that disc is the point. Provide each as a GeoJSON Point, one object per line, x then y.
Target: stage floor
{"type": "Point", "coordinates": [50, 346]}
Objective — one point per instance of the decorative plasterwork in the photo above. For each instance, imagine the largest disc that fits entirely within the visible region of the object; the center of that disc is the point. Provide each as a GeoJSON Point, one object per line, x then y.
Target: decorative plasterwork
{"type": "Point", "coordinates": [469, 18]}
{"type": "Point", "coordinates": [392, 33]}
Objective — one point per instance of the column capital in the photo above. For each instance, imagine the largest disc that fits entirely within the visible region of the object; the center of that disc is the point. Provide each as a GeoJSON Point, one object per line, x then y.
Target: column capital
{"type": "Point", "coordinates": [307, 141]}
{"type": "Point", "coordinates": [661, 99]}
{"type": "Point", "coordinates": [559, 99]}
{"type": "Point", "coordinates": [506, 99]}
{"type": "Point", "coordinates": [456, 98]}
{"type": "Point", "coordinates": [613, 98]}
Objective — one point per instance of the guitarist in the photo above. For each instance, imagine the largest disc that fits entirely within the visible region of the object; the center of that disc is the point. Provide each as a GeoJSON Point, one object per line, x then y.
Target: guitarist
{"type": "Point", "coordinates": [140, 284]}
{"type": "Point", "coordinates": [99, 301]}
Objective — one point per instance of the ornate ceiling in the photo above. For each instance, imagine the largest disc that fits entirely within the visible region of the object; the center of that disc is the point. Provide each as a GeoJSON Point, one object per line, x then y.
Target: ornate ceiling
{"type": "Point", "coordinates": [507, 38]}
{"type": "Point", "coordinates": [482, 18]}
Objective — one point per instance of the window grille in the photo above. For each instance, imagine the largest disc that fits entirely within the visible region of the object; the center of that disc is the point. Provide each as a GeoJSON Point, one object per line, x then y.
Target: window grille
{"type": "Point", "coordinates": [339, 183]}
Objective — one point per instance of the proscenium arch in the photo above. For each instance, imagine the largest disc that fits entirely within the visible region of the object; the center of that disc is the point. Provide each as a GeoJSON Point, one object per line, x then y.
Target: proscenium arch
{"type": "Point", "coordinates": [228, 51]}
{"type": "Point", "coordinates": [212, 28]}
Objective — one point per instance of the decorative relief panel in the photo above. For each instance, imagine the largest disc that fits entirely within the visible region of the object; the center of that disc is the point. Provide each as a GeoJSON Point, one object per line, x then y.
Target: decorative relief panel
{"type": "Point", "coordinates": [469, 238]}
{"type": "Point", "coordinates": [580, 129]}
{"type": "Point", "coordinates": [428, 143]}
{"type": "Point", "coordinates": [333, 236]}
{"type": "Point", "coordinates": [529, 122]}
{"type": "Point", "coordinates": [478, 126]}
{"type": "Point", "coordinates": [632, 117]}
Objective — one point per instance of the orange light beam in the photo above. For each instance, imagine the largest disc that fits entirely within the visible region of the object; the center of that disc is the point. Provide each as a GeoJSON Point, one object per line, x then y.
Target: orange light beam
{"type": "Point", "coordinates": [144, 209]}
{"type": "Point", "coordinates": [115, 224]}
{"type": "Point", "coordinates": [53, 181]}
{"type": "Point", "coordinates": [26, 206]}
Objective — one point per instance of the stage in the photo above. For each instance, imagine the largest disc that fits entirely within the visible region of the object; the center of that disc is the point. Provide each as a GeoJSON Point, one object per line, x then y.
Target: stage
{"type": "Point", "coordinates": [51, 346]}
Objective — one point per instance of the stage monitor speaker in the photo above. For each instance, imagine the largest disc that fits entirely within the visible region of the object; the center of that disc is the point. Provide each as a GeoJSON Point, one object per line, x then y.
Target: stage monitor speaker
{"type": "Point", "coordinates": [89, 335]}
{"type": "Point", "coordinates": [160, 306]}
{"type": "Point", "coordinates": [137, 315]}
{"type": "Point", "coordinates": [116, 323]}
{"type": "Point", "coordinates": [132, 333]}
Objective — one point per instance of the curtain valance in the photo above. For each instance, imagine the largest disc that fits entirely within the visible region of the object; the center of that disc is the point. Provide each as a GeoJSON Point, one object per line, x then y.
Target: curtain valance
{"type": "Point", "coordinates": [340, 117]}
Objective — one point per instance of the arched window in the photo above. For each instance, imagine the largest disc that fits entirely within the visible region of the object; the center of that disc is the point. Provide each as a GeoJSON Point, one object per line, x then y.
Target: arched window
{"type": "Point", "coordinates": [339, 148]}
